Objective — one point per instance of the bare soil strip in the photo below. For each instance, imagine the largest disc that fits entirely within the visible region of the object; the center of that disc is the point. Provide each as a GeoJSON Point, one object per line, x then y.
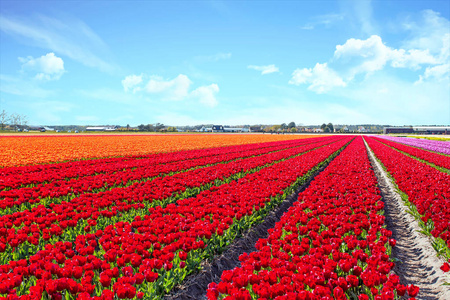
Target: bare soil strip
{"type": "Point", "coordinates": [195, 285]}
{"type": "Point", "coordinates": [417, 261]}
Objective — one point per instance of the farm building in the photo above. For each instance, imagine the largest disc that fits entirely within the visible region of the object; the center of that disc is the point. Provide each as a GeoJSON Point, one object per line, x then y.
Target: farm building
{"type": "Point", "coordinates": [101, 128]}
{"type": "Point", "coordinates": [221, 128]}
{"type": "Point", "coordinates": [418, 129]}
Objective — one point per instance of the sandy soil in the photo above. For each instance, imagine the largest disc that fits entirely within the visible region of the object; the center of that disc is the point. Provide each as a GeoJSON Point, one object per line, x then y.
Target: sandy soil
{"type": "Point", "coordinates": [418, 263]}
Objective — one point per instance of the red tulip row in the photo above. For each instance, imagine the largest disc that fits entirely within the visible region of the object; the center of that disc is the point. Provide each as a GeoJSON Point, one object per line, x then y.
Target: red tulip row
{"type": "Point", "coordinates": [330, 245]}
{"type": "Point", "coordinates": [424, 189]}
{"type": "Point", "coordinates": [147, 256]}
{"type": "Point", "coordinates": [64, 190]}
{"type": "Point", "coordinates": [25, 232]}
{"type": "Point", "coordinates": [12, 178]}
{"type": "Point", "coordinates": [435, 158]}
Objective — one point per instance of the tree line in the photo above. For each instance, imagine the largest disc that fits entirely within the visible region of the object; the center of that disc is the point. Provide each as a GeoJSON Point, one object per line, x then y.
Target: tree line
{"type": "Point", "coordinates": [13, 120]}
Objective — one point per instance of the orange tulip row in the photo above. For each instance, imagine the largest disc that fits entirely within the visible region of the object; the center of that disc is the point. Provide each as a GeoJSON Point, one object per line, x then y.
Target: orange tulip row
{"type": "Point", "coordinates": [31, 150]}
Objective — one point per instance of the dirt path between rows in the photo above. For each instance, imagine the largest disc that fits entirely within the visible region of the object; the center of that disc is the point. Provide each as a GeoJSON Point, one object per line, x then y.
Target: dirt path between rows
{"type": "Point", "coordinates": [195, 285]}
{"type": "Point", "coordinates": [418, 263]}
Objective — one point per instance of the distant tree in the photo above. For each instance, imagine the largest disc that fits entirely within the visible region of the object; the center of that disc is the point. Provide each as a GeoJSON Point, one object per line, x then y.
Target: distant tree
{"type": "Point", "coordinates": [277, 127]}
{"type": "Point", "coordinates": [141, 127]}
{"type": "Point", "coordinates": [283, 126]}
{"type": "Point", "coordinates": [128, 127]}
{"type": "Point", "coordinates": [323, 126]}
{"type": "Point", "coordinates": [291, 125]}
{"type": "Point", "coordinates": [293, 129]}
{"type": "Point", "coordinates": [15, 120]}
{"type": "Point", "coordinates": [4, 119]}
{"type": "Point", "coordinates": [171, 129]}
{"type": "Point", "coordinates": [159, 126]}
{"type": "Point", "coordinates": [23, 121]}
{"type": "Point", "coordinates": [331, 127]}
{"type": "Point", "coordinates": [327, 129]}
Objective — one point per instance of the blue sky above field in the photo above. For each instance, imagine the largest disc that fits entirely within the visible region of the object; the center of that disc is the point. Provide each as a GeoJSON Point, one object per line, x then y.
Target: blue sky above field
{"type": "Point", "coordinates": [258, 62]}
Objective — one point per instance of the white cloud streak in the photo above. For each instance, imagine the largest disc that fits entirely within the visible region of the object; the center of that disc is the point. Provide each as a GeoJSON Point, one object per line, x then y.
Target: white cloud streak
{"type": "Point", "coordinates": [323, 20]}
{"type": "Point", "coordinates": [177, 89]}
{"type": "Point", "coordinates": [71, 38]}
{"type": "Point", "coordinates": [264, 69]}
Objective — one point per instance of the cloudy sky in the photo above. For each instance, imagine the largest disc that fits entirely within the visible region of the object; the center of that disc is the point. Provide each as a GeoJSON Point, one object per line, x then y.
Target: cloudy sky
{"type": "Point", "coordinates": [226, 62]}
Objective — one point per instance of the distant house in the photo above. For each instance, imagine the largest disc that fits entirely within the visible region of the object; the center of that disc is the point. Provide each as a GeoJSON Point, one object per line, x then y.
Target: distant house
{"type": "Point", "coordinates": [256, 129]}
{"type": "Point", "coordinates": [217, 128]}
{"type": "Point", "coordinates": [205, 129]}
{"type": "Point", "coordinates": [236, 129]}
{"type": "Point", "coordinates": [101, 128]}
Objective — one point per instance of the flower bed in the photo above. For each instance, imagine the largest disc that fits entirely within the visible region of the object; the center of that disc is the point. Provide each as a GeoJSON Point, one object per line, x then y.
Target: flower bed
{"type": "Point", "coordinates": [49, 149]}
{"type": "Point", "coordinates": [139, 171]}
{"type": "Point", "coordinates": [330, 244]}
{"type": "Point", "coordinates": [30, 230]}
{"type": "Point", "coordinates": [15, 177]}
{"type": "Point", "coordinates": [424, 189]}
{"type": "Point", "coordinates": [435, 158]}
{"type": "Point", "coordinates": [146, 256]}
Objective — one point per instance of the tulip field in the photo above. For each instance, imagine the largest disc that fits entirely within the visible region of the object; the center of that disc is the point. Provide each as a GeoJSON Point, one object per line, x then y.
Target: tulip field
{"type": "Point", "coordinates": [133, 217]}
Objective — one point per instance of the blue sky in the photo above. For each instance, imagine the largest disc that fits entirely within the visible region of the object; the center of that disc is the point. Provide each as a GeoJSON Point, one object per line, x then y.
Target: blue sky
{"type": "Point", "coordinates": [225, 62]}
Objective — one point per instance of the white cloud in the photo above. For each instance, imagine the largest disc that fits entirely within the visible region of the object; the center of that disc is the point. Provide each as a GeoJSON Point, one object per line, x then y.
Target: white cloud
{"type": "Point", "coordinates": [70, 37]}
{"type": "Point", "coordinates": [48, 67]}
{"type": "Point", "coordinates": [207, 94]}
{"type": "Point", "coordinates": [321, 78]}
{"type": "Point", "coordinates": [264, 69]}
{"type": "Point", "coordinates": [430, 32]}
{"type": "Point", "coordinates": [130, 83]}
{"type": "Point", "coordinates": [440, 73]}
{"type": "Point", "coordinates": [175, 89]}
{"type": "Point", "coordinates": [370, 55]}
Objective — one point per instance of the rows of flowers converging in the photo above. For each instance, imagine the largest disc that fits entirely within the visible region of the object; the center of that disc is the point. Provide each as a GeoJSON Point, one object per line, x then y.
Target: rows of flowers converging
{"type": "Point", "coordinates": [25, 232]}
{"type": "Point", "coordinates": [330, 244]}
{"type": "Point", "coordinates": [426, 188]}
{"type": "Point", "coordinates": [142, 169]}
{"type": "Point", "coordinates": [145, 257]}
{"type": "Point", "coordinates": [14, 177]}
{"type": "Point", "coordinates": [437, 146]}
{"type": "Point", "coordinates": [435, 158]}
